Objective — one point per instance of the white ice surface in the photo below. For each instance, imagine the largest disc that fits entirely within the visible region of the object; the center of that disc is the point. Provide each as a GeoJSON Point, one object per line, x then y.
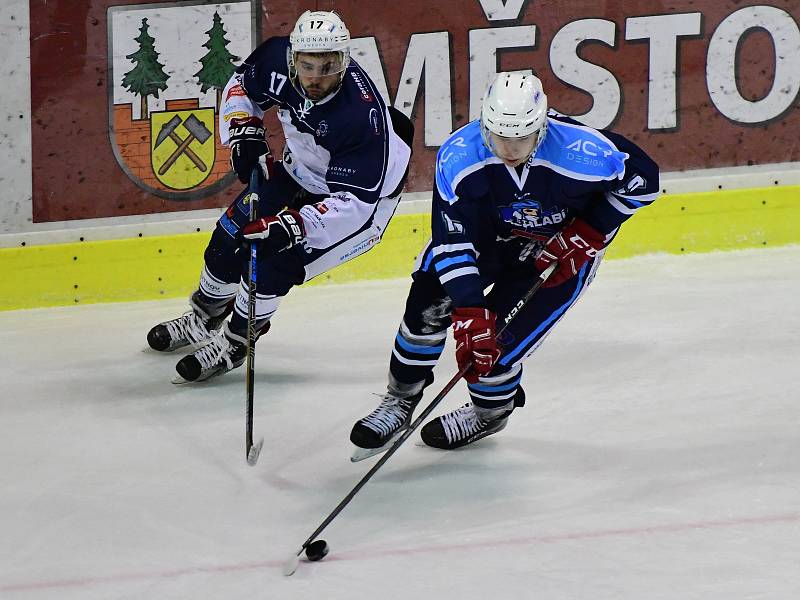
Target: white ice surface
{"type": "Point", "coordinates": [658, 456]}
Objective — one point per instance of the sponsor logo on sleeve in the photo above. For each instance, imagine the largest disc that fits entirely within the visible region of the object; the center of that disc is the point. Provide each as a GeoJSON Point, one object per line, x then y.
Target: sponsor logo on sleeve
{"type": "Point", "coordinates": [342, 172]}
{"type": "Point", "coordinates": [361, 248]}
{"type": "Point", "coordinates": [373, 120]}
{"type": "Point", "coordinates": [236, 90]}
{"type": "Point", "coordinates": [366, 96]}
{"type": "Point", "coordinates": [236, 115]}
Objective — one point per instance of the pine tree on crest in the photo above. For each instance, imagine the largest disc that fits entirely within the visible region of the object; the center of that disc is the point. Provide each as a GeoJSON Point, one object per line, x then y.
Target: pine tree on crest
{"type": "Point", "coordinates": [218, 62]}
{"type": "Point", "coordinates": [147, 78]}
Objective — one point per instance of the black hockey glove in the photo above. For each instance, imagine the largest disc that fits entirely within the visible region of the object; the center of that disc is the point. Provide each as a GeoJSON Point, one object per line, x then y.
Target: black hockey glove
{"type": "Point", "coordinates": [248, 144]}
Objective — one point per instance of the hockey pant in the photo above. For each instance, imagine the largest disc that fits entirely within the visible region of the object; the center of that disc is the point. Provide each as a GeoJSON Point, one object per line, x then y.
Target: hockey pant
{"type": "Point", "coordinates": [421, 336]}
{"type": "Point", "coordinates": [225, 273]}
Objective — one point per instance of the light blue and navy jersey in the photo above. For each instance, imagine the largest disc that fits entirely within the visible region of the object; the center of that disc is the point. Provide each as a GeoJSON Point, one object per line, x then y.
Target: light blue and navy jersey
{"type": "Point", "coordinates": [484, 213]}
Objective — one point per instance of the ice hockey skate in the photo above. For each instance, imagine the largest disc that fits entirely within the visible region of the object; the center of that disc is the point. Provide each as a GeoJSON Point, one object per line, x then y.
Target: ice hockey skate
{"type": "Point", "coordinates": [194, 327]}
{"type": "Point", "coordinates": [376, 432]}
{"type": "Point", "coordinates": [224, 351]}
{"type": "Point", "coordinates": [464, 425]}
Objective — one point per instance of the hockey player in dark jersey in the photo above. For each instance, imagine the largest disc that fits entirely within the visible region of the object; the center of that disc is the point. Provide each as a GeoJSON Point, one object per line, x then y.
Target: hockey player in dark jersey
{"type": "Point", "coordinates": [516, 191]}
{"type": "Point", "coordinates": [327, 201]}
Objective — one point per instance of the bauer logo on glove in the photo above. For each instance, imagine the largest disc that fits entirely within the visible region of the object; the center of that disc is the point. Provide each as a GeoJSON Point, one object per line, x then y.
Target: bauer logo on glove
{"type": "Point", "coordinates": [280, 232]}
{"type": "Point", "coordinates": [248, 144]}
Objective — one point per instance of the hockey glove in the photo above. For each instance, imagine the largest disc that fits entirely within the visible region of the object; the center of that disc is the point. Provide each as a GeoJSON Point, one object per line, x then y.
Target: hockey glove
{"type": "Point", "coordinates": [474, 332]}
{"type": "Point", "coordinates": [571, 248]}
{"type": "Point", "coordinates": [280, 232]}
{"type": "Point", "coordinates": [248, 144]}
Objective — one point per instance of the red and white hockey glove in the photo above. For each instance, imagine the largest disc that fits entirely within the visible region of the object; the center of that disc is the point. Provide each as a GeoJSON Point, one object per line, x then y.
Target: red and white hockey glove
{"type": "Point", "coordinates": [571, 248]}
{"type": "Point", "coordinates": [248, 144]}
{"type": "Point", "coordinates": [474, 332]}
{"type": "Point", "coordinates": [280, 232]}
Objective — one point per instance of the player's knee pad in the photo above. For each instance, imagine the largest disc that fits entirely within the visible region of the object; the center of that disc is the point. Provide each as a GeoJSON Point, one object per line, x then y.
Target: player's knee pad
{"type": "Point", "coordinates": [222, 258]}
{"type": "Point", "coordinates": [428, 307]}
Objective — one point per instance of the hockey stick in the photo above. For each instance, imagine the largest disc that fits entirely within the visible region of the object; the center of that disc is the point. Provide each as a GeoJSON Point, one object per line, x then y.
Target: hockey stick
{"type": "Point", "coordinates": [291, 565]}
{"type": "Point", "coordinates": [252, 450]}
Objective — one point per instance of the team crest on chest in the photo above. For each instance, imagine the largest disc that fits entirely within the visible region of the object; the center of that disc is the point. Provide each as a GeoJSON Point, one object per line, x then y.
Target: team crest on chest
{"type": "Point", "coordinates": [305, 108]}
{"type": "Point", "coordinates": [526, 213]}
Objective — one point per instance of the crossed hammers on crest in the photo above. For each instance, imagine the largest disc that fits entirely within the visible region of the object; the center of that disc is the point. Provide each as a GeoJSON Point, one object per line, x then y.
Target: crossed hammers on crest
{"type": "Point", "coordinates": [197, 131]}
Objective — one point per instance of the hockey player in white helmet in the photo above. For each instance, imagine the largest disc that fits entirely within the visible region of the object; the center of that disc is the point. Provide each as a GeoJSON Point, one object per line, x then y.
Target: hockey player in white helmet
{"type": "Point", "coordinates": [515, 191]}
{"type": "Point", "coordinates": [327, 201]}
{"type": "Point", "coordinates": [319, 53]}
{"type": "Point", "coordinates": [514, 117]}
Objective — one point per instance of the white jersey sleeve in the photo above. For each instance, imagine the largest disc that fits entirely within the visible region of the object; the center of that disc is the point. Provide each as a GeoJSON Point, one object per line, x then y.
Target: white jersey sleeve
{"type": "Point", "coordinates": [236, 104]}
{"type": "Point", "coordinates": [335, 219]}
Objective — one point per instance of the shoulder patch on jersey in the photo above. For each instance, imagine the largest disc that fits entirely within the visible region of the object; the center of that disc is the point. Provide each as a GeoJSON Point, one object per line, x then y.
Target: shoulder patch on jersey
{"type": "Point", "coordinates": [452, 225]}
{"type": "Point", "coordinates": [632, 185]}
{"type": "Point", "coordinates": [461, 155]}
{"type": "Point", "coordinates": [580, 152]}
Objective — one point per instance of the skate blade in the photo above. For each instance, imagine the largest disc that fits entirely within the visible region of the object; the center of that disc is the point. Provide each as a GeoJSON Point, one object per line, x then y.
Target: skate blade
{"type": "Point", "coordinates": [178, 380]}
{"type": "Point", "coordinates": [360, 454]}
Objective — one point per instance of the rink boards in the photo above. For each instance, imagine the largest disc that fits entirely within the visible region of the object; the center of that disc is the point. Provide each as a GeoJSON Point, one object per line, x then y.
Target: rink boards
{"type": "Point", "coordinates": [152, 267]}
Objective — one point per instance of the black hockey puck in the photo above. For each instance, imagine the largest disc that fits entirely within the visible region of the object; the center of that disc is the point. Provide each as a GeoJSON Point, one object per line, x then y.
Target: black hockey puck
{"type": "Point", "coordinates": [317, 550]}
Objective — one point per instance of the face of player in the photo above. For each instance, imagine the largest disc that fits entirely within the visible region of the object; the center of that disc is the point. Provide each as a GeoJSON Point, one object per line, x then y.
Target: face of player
{"type": "Point", "coordinates": [319, 74]}
{"type": "Point", "coordinates": [513, 151]}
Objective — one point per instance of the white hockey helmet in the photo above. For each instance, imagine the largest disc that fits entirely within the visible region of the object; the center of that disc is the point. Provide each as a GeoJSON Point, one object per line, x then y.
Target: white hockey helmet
{"type": "Point", "coordinates": [514, 106]}
{"type": "Point", "coordinates": [319, 32]}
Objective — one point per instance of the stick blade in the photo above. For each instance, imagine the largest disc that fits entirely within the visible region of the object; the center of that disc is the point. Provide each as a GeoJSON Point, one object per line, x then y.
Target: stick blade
{"type": "Point", "coordinates": [290, 566]}
{"type": "Point", "coordinates": [255, 451]}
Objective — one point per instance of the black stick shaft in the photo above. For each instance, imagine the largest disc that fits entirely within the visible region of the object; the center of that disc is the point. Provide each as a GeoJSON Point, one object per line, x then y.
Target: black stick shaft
{"type": "Point", "coordinates": [424, 415]}
{"type": "Point", "coordinates": [251, 314]}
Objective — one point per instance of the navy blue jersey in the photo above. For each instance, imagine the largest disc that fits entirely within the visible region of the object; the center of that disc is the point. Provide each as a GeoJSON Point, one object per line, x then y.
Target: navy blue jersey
{"type": "Point", "coordinates": [487, 217]}
{"type": "Point", "coordinates": [343, 146]}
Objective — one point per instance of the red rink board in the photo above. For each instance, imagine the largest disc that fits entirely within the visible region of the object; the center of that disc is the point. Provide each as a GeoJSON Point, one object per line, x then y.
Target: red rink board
{"type": "Point", "coordinates": [77, 176]}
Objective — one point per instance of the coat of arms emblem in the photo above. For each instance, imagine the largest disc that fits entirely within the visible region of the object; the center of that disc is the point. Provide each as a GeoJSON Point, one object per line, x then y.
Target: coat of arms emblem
{"type": "Point", "coordinates": [168, 65]}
